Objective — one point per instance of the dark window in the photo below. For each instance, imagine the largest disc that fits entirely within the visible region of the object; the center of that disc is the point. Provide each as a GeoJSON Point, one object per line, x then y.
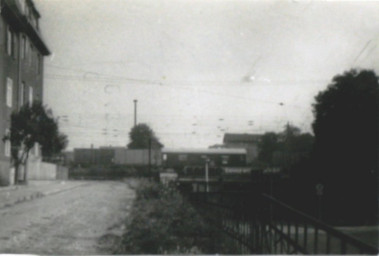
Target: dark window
{"type": "Point", "coordinates": [9, 41]}
{"type": "Point", "coordinates": [182, 158]}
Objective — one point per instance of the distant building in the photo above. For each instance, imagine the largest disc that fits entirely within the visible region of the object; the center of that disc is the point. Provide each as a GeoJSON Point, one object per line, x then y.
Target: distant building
{"type": "Point", "coordinates": [94, 156]}
{"type": "Point", "coordinates": [250, 142]}
{"type": "Point", "coordinates": [68, 157]}
{"type": "Point", "coordinates": [22, 49]}
{"type": "Point", "coordinates": [138, 157]}
{"type": "Point", "coordinates": [116, 156]}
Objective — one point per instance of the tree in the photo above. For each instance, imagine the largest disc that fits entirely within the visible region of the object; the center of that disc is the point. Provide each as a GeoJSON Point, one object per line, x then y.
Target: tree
{"type": "Point", "coordinates": [143, 137]}
{"type": "Point", "coordinates": [30, 125]}
{"type": "Point", "coordinates": [346, 139]}
{"type": "Point", "coordinates": [267, 146]}
{"type": "Point", "coordinates": [285, 148]}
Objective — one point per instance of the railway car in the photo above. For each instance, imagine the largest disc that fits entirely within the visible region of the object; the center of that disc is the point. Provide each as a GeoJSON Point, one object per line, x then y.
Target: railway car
{"type": "Point", "coordinates": [192, 163]}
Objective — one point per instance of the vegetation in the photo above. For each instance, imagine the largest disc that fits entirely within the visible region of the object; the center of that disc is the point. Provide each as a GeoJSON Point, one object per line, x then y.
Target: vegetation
{"type": "Point", "coordinates": [346, 145]}
{"type": "Point", "coordinates": [342, 155]}
{"type": "Point", "coordinates": [143, 137]}
{"type": "Point", "coordinates": [162, 222]}
{"type": "Point", "coordinates": [30, 125]}
{"type": "Point", "coordinates": [111, 172]}
{"type": "Point", "coordinates": [285, 149]}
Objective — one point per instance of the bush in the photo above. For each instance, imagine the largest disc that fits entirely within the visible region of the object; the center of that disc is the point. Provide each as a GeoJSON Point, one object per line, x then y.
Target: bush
{"type": "Point", "coordinates": [161, 222]}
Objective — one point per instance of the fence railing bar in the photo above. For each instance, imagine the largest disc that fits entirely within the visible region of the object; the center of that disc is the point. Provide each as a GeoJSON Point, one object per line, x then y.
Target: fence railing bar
{"type": "Point", "coordinates": [233, 235]}
{"type": "Point", "coordinates": [289, 240]}
{"type": "Point", "coordinates": [316, 240]}
{"type": "Point", "coordinates": [327, 243]}
{"type": "Point", "coordinates": [305, 234]}
{"type": "Point", "coordinates": [275, 243]}
{"type": "Point", "coordinates": [343, 246]}
{"type": "Point", "coordinates": [261, 236]}
{"type": "Point", "coordinates": [348, 239]}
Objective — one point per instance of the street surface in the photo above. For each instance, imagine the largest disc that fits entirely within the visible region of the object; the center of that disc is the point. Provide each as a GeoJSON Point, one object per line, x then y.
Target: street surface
{"type": "Point", "coordinates": [85, 220]}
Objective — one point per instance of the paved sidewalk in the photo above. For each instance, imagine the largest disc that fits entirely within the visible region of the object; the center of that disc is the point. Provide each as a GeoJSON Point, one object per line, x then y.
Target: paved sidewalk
{"type": "Point", "coordinates": [35, 189]}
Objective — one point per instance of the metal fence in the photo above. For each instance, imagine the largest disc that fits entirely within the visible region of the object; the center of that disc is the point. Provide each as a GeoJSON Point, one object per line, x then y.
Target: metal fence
{"type": "Point", "coordinates": [261, 224]}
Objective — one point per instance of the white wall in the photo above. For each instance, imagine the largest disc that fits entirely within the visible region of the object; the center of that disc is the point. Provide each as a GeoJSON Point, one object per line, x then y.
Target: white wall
{"type": "Point", "coordinates": [38, 170]}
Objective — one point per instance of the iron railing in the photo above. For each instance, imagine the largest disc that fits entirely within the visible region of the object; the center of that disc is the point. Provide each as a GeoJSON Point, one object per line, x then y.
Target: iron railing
{"type": "Point", "coordinates": [261, 224]}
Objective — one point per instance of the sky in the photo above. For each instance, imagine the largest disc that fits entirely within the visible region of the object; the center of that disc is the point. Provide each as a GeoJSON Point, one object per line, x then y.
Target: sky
{"type": "Point", "coordinates": [198, 68]}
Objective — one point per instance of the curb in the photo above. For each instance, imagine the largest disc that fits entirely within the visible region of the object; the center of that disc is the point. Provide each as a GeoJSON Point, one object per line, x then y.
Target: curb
{"type": "Point", "coordinates": [39, 194]}
{"type": "Point", "coordinates": [48, 193]}
{"type": "Point", "coordinates": [23, 199]}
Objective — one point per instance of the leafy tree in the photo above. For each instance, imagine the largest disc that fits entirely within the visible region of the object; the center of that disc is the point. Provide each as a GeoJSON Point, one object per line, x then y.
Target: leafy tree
{"type": "Point", "coordinates": [161, 221]}
{"type": "Point", "coordinates": [289, 136]}
{"type": "Point", "coordinates": [346, 141]}
{"type": "Point", "coordinates": [267, 146]}
{"type": "Point", "coordinates": [285, 148]}
{"type": "Point", "coordinates": [142, 137]}
{"type": "Point", "coordinates": [30, 125]}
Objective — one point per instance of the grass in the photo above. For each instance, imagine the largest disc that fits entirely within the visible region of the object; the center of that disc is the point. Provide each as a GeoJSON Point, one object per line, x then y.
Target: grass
{"type": "Point", "coordinates": [163, 222]}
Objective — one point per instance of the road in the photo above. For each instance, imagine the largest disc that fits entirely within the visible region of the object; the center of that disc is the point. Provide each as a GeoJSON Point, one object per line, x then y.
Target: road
{"type": "Point", "coordinates": [86, 220]}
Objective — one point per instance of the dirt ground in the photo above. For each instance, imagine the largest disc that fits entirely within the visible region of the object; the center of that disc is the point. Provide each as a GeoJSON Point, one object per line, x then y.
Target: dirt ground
{"type": "Point", "coordinates": [86, 220]}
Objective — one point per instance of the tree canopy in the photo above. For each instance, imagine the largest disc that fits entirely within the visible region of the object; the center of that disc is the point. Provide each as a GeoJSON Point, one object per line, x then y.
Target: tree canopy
{"type": "Point", "coordinates": [346, 143]}
{"type": "Point", "coordinates": [346, 121]}
{"type": "Point", "coordinates": [284, 148]}
{"type": "Point", "coordinates": [33, 124]}
{"type": "Point", "coordinates": [267, 146]}
{"type": "Point", "coordinates": [143, 137]}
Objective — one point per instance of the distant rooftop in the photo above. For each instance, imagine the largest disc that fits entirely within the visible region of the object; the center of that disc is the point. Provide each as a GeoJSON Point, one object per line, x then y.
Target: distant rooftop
{"type": "Point", "coordinates": [241, 138]}
{"type": "Point", "coordinates": [204, 150]}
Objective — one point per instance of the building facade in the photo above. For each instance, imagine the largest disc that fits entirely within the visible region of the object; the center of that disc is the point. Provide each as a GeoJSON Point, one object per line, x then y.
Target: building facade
{"type": "Point", "coordinates": [220, 157]}
{"type": "Point", "coordinates": [250, 142]}
{"type": "Point", "coordinates": [106, 156]}
{"type": "Point", "coordinates": [86, 157]}
{"type": "Point", "coordinates": [22, 49]}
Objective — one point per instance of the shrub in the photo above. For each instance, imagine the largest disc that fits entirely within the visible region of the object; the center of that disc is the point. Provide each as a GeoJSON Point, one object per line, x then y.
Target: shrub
{"type": "Point", "coordinates": [161, 222]}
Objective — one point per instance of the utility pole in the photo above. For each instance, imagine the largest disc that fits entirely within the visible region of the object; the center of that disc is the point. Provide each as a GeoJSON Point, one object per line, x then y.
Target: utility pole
{"type": "Point", "coordinates": [207, 175]}
{"type": "Point", "coordinates": [149, 156]}
{"type": "Point", "coordinates": [135, 112]}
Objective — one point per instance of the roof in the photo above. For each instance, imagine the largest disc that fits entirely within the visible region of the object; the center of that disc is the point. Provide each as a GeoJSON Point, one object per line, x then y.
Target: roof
{"type": "Point", "coordinates": [241, 138]}
{"type": "Point", "coordinates": [207, 151]}
{"type": "Point", "coordinates": [11, 12]}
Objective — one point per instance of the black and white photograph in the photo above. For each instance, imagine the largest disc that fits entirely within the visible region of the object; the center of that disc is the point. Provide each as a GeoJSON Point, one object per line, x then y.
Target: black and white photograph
{"type": "Point", "coordinates": [195, 127]}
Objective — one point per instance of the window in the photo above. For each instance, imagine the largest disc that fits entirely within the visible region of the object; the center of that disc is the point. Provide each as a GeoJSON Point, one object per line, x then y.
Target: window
{"type": "Point", "coordinates": [182, 158]}
{"type": "Point", "coordinates": [7, 146]}
{"type": "Point", "coordinates": [30, 55]}
{"type": "Point", "coordinates": [22, 92]}
{"type": "Point", "coordinates": [23, 47]}
{"type": "Point", "coordinates": [26, 48]}
{"type": "Point", "coordinates": [9, 92]}
{"type": "Point", "coordinates": [14, 45]}
{"type": "Point", "coordinates": [39, 64]}
{"type": "Point", "coordinates": [22, 5]}
{"type": "Point", "coordinates": [225, 159]}
{"type": "Point", "coordinates": [30, 95]}
{"type": "Point", "coordinates": [9, 41]}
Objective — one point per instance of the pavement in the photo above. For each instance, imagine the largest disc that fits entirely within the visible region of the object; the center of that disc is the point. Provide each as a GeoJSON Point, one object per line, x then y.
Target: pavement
{"type": "Point", "coordinates": [86, 220]}
{"type": "Point", "coordinates": [16, 194]}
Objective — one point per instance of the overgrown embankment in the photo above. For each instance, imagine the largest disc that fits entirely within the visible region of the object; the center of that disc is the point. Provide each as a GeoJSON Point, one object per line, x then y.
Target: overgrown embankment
{"type": "Point", "coordinates": [163, 222]}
